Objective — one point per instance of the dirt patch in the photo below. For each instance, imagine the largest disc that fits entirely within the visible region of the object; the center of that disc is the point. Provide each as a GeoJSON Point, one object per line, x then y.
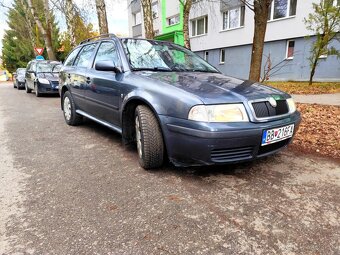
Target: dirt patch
{"type": "Point", "coordinates": [319, 132]}
{"type": "Point", "coordinates": [300, 88]}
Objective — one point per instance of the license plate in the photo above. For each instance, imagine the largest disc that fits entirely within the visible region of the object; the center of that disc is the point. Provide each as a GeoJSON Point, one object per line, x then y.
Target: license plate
{"type": "Point", "coordinates": [277, 134]}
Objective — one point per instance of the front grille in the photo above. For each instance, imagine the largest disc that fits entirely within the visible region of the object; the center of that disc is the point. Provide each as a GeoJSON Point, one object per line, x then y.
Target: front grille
{"type": "Point", "coordinates": [265, 109]}
{"type": "Point", "coordinates": [225, 155]}
{"type": "Point", "coordinates": [273, 147]}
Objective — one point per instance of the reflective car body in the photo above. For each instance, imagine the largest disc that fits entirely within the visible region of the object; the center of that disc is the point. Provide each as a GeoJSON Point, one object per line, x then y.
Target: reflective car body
{"type": "Point", "coordinates": [43, 76]}
{"type": "Point", "coordinates": [172, 93]}
{"type": "Point", "coordinates": [19, 78]}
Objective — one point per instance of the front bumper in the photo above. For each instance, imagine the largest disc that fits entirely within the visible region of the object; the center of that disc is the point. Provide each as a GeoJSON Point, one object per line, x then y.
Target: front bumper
{"type": "Point", "coordinates": [48, 88]}
{"type": "Point", "coordinates": [191, 143]}
{"type": "Point", "coordinates": [21, 84]}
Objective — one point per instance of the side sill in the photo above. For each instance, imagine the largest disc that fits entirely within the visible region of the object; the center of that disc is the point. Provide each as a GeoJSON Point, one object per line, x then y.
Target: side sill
{"type": "Point", "coordinates": [104, 123]}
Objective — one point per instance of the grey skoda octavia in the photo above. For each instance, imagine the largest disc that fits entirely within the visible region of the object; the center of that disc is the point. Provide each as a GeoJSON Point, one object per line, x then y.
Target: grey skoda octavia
{"type": "Point", "coordinates": [172, 104]}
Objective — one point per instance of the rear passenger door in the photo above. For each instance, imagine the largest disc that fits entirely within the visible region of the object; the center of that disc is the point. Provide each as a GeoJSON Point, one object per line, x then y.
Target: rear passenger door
{"type": "Point", "coordinates": [104, 87]}
{"type": "Point", "coordinates": [77, 74]}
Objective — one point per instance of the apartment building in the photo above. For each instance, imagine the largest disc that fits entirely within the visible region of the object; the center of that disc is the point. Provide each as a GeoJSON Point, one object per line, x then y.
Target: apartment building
{"type": "Point", "coordinates": [221, 32]}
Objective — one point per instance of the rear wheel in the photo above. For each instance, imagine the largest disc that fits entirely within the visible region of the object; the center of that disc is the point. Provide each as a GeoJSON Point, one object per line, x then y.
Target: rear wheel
{"type": "Point", "coordinates": [18, 86]}
{"type": "Point", "coordinates": [149, 139]}
{"type": "Point", "coordinates": [71, 117]}
{"type": "Point", "coordinates": [28, 90]}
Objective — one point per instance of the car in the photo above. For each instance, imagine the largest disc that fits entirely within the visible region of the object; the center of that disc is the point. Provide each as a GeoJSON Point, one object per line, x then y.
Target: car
{"type": "Point", "coordinates": [42, 76]}
{"type": "Point", "coordinates": [172, 104]}
{"type": "Point", "coordinates": [19, 78]}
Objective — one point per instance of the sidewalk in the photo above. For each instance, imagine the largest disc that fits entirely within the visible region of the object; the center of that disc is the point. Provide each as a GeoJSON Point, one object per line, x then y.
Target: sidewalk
{"type": "Point", "coordinates": [326, 99]}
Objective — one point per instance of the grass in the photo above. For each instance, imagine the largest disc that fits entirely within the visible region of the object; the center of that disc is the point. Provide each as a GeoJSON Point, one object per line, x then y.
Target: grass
{"type": "Point", "coordinates": [295, 87]}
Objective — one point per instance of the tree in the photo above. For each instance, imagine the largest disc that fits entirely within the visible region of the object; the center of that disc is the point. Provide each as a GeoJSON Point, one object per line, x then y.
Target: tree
{"type": "Point", "coordinates": [261, 10]}
{"type": "Point", "coordinates": [45, 29]}
{"type": "Point", "coordinates": [186, 12]}
{"type": "Point", "coordinates": [148, 19]}
{"type": "Point", "coordinates": [324, 22]}
{"type": "Point", "coordinates": [102, 19]}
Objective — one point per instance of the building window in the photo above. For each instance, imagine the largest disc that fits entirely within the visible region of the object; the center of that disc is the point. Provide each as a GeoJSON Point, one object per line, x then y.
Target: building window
{"type": "Point", "coordinates": [290, 49]}
{"type": "Point", "coordinates": [233, 18]}
{"type": "Point", "coordinates": [173, 20]}
{"type": "Point", "coordinates": [222, 56]}
{"type": "Point", "coordinates": [206, 55]}
{"type": "Point", "coordinates": [281, 9]}
{"type": "Point", "coordinates": [199, 26]}
{"type": "Point", "coordinates": [154, 9]}
{"type": "Point", "coordinates": [137, 18]}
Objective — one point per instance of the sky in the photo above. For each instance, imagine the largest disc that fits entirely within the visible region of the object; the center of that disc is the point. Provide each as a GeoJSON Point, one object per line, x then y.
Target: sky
{"type": "Point", "coordinates": [117, 16]}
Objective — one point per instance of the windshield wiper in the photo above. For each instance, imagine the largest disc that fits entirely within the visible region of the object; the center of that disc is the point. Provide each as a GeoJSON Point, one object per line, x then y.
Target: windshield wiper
{"type": "Point", "coordinates": [156, 69]}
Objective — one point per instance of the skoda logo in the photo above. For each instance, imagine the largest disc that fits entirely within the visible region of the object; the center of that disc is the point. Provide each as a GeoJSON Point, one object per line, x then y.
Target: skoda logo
{"type": "Point", "coordinates": [272, 101]}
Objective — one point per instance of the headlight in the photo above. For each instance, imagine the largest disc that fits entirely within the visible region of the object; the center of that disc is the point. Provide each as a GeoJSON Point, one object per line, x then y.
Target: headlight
{"type": "Point", "coordinates": [42, 80]}
{"type": "Point", "coordinates": [291, 105]}
{"type": "Point", "coordinates": [219, 113]}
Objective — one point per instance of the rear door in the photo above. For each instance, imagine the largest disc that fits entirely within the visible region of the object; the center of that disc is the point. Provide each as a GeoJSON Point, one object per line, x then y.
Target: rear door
{"type": "Point", "coordinates": [77, 74]}
{"type": "Point", "coordinates": [30, 75]}
{"type": "Point", "coordinates": [104, 87]}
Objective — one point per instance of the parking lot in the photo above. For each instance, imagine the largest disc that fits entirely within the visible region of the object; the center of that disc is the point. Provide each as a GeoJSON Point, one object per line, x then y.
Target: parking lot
{"type": "Point", "coordinates": [77, 190]}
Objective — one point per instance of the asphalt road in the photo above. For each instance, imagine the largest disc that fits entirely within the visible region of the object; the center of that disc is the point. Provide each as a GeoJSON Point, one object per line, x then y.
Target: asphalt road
{"type": "Point", "coordinates": [77, 190]}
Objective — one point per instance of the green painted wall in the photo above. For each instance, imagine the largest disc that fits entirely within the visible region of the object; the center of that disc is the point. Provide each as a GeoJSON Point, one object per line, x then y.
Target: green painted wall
{"type": "Point", "coordinates": [174, 32]}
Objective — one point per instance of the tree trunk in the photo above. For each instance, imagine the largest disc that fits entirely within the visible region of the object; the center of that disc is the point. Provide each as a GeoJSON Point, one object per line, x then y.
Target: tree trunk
{"type": "Point", "coordinates": [148, 19]}
{"type": "Point", "coordinates": [186, 13]}
{"type": "Point", "coordinates": [102, 19]}
{"type": "Point", "coordinates": [70, 21]}
{"type": "Point", "coordinates": [29, 22]}
{"type": "Point", "coordinates": [46, 33]}
{"type": "Point", "coordinates": [261, 9]}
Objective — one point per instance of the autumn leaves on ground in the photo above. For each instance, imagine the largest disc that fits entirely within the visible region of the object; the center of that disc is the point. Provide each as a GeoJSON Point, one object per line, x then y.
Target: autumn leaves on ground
{"type": "Point", "coordinates": [319, 132]}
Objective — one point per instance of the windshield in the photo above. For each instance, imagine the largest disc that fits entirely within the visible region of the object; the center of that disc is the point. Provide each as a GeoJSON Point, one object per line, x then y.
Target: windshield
{"type": "Point", "coordinates": [48, 68]}
{"type": "Point", "coordinates": [163, 56]}
{"type": "Point", "coordinates": [21, 72]}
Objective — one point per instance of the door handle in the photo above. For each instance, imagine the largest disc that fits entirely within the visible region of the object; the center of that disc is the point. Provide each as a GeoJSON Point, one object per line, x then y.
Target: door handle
{"type": "Point", "coordinates": [88, 79]}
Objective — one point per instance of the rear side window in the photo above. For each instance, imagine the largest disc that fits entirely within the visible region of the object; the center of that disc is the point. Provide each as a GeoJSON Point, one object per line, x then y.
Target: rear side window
{"type": "Point", "coordinates": [107, 52]}
{"type": "Point", "coordinates": [71, 57]}
{"type": "Point", "coordinates": [84, 57]}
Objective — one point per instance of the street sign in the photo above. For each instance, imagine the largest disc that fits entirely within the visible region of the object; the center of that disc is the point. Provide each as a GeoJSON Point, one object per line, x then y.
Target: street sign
{"type": "Point", "coordinates": [39, 57]}
{"type": "Point", "coordinates": [39, 50]}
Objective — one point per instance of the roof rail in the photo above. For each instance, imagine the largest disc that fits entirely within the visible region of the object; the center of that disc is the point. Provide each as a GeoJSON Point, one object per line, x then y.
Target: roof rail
{"type": "Point", "coordinates": [98, 37]}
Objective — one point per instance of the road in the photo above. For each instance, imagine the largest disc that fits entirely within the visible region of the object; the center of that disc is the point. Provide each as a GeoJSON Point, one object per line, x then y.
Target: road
{"type": "Point", "coordinates": [77, 190]}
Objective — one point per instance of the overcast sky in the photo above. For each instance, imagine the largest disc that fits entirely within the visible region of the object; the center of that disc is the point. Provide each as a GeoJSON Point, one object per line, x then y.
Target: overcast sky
{"type": "Point", "coordinates": [116, 15]}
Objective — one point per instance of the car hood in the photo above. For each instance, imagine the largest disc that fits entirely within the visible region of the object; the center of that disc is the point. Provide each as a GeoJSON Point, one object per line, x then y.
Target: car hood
{"type": "Point", "coordinates": [49, 76]}
{"type": "Point", "coordinates": [215, 88]}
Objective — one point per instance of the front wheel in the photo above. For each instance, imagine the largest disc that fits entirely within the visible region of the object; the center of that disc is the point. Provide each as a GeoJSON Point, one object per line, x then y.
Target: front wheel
{"type": "Point", "coordinates": [36, 89]}
{"type": "Point", "coordinates": [71, 117]}
{"type": "Point", "coordinates": [28, 90]}
{"type": "Point", "coordinates": [149, 138]}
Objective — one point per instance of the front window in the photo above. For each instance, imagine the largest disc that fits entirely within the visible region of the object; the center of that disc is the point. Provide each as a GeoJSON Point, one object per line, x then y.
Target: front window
{"type": "Point", "coordinates": [199, 26]}
{"type": "Point", "coordinates": [107, 52]}
{"type": "Point", "coordinates": [233, 18]}
{"type": "Point", "coordinates": [137, 18]}
{"type": "Point", "coordinates": [281, 9]}
{"type": "Point", "coordinates": [163, 56]}
{"type": "Point", "coordinates": [48, 67]}
{"type": "Point", "coordinates": [173, 20]}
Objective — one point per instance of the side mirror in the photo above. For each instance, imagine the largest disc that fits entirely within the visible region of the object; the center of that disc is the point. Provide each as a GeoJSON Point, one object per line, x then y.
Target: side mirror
{"type": "Point", "coordinates": [107, 66]}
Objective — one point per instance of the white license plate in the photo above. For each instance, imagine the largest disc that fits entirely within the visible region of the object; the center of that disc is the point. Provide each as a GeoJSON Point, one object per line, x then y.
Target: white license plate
{"type": "Point", "coordinates": [277, 134]}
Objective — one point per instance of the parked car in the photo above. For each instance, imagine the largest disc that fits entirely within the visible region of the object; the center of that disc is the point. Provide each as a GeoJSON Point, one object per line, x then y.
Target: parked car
{"type": "Point", "coordinates": [42, 76]}
{"type": "Point", "coordinates": [19, 78]}
{"type": "Point", "coordinates": [173, 104]}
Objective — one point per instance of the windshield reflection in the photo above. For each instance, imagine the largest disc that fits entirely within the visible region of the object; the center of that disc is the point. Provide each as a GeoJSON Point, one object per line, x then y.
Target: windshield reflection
{"type": "Point", "coordinates": [163, 56]}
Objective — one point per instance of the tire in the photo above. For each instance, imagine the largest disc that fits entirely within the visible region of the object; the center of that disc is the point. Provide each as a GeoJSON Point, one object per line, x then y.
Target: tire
{"type": "Point", "coordinates": [18, 87]}
{"type": "Point", "coordinates": [28, 90]}
{"type": "Point", "coordinates": [36, 90]}
{"type": "Point", "coordinates": [69, 109]}
{"type": "Point", "coordinates": [149, 139]}
{"type": "Point", "coordinates": [14, 85]}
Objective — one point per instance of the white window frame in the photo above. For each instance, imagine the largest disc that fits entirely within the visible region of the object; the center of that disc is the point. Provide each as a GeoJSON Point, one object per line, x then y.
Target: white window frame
{"type": "Point", "coordinates": [174, 16]}
{"type": "Point", "coordinates": [288, 10]}
{"type": "Point", "coordinates": [206, 55]}
{"type": "Point", "coordinates": [228, 21]}
{"type": "Point", "coordinates": [287, 47]}
{"type": "Point", "coordinates": [222, 61]}
{"type": "Point", "coordinates": [135, 20]}
{"type": "Point", "coordinates": [196, 27]}
{"type": "Point", "coordinates": [157, 13]}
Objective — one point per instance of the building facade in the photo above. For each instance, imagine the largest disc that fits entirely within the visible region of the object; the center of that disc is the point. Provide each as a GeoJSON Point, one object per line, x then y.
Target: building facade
{"type": "Point", "coordinates": [221, 32]}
